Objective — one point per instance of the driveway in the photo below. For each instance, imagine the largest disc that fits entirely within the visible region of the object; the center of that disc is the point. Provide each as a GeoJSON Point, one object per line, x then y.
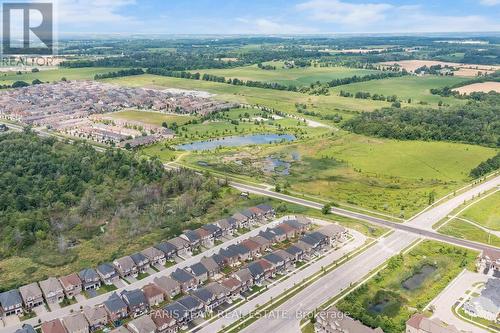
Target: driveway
{"type": "Point", "coordinates": [444, 302]}
{"type": "Point", "coordinates": [40, 310]}
{"type": "Point", "coordinates": [119, 283]}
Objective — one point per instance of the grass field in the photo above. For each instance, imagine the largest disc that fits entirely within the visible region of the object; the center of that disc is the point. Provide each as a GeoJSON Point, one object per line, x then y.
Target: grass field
{"type": "Point", "coordinates": [41, 262]}
{"type": "Point", "coordinates": [293, 76]}
{"type": "Point", "coordinates": [462, 229]}
{"type": "Point", "coordinates": [414, 87]}
{"type": "Point", "coordinates": [149, 117]}
{"type": "Point", "coordinates": [55, 75]}
{"type": "Point", "coordinates": [486, 212]}
{"type": "Point", "coordinates": [385, 175]}
{"type": "Point", "coordinates": [384, 302]}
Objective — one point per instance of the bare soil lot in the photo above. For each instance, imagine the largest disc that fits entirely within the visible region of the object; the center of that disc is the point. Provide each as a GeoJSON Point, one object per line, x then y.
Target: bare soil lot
{"type": "Point", "coordinates": [479, 87]}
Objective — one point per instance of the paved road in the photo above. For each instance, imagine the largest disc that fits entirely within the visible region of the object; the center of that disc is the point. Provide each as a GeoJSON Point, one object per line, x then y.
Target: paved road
{"type": "Point", "coordinates": [139, 284]}
{"type": "Point", "coordinates": [279, 289]}
{"type": "Point", "coordinates": [418, 226]}
{"type": "Point", "coordinates": [288, 315]}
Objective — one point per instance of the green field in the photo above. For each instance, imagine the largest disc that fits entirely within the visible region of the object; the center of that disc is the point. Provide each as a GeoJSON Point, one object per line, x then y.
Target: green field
{"type": "Point", "coordinates": [149, 117]}
{"type": "Point", "coordinates": [384, 302]}
{"type": "Point", "coordinates": [486, 212]}
{"type": "Point", "coordinates": [280, 100]}
{"type": "Point", "coordinates": [293, 76]}
{"type": "Point", "coordinates": [55, 74]}
{"type": "Point", "coordinates": [461, 229]}
{"type": "Point", "coordinates": [385, 175]}
{"type": "Point", "coordinates": [415, 87]}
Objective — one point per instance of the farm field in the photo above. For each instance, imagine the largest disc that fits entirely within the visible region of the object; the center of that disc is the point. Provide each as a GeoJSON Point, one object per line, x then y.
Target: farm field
{"type": "Point", "coordinates": [486, 212]}
{"type": "Point", "coordinates": [395, 177]}
{"type": "Point", "coordinates": [280, 100]}
{"type": "Point", "coordinates": [56, 74]}
{"type": "Point", "coordinates": [150, 117]}
{"type": "Point", "coordinates": [408, 283]}
{"type": "Point", "coordinates": [464, 69]}
{"type": "Point", "coordinates": [415, 87]}
{"type": "Point", "coordinates": [293, 76]}
{"type": "Point", "coordinates": [36, 264]}
{"type": "Point", "coordinates": [479, 87]}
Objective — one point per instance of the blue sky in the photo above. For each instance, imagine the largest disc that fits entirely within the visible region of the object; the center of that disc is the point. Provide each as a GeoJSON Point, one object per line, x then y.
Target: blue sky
{"type": "Point", "coordinates": [276, 16]}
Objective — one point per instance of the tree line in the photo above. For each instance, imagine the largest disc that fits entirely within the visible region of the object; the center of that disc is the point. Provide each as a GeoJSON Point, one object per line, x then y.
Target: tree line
{"type": "Point", "coordinates": [477, 122]}
{"type": "Point", "coordinates": [120, 73]}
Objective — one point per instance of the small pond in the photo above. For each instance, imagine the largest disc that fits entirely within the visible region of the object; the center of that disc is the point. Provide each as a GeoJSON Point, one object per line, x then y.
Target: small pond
{"type": "Point", "coordinates": [418, 278]}
{"type": "Point", "coordinates": [276, 166]}
{"type": "Point", "coordinates": [235, 141]}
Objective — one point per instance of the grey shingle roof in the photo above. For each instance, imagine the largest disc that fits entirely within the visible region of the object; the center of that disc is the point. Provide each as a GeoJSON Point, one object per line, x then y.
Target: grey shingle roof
{"type": "Point", "coordinates": [294, 250]}
{"type": "Point", "coordinates": [204, 295]}
{"type": "Point", "coordinates": [26, 329]}
{"type": "Point", "coordinates": [181, 275]}
{"type": "Point", "coordinates": [176, 310]}
{"type": "Point", "coordinates": [10, 298]}
{"type": "Point", "coordinates": [134, 297]}
{"type": "Point", "coordinates": [273, 258]}
{"type": "Point", "coordinates": [166, 248]}
{"type": "Point", "coordinates": [115, 303]}
{"type": "Point", "coordinates": [198, 269]}
{"type": "Point", "coordinates": [255, 269]}
{"type": "Point", "coordinates": [139, 258]}
{"type": "Point", "coordinates": [88, 274]}
{"type": "Point", "coordinates": [189, 302]}
{"type": "Point", "coordinates": [106, 269]}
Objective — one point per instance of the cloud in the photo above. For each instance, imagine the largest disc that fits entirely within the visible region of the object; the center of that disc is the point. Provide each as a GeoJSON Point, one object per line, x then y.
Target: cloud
{"type": "Point", "coordinates": [385, 17]}
{"type": "Point", "coordinates": [490, 2]}
{"type": "Point", "coordinates": [271, 26]}
{"type": "Point", "coordinates": [346, 13]}
{"type": "Point", "coordinates": [90, 13]}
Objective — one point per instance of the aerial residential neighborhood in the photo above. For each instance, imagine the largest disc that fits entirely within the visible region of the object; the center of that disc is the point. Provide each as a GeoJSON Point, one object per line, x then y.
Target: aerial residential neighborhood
{"type": "Point", "coordinates": [299, 166]}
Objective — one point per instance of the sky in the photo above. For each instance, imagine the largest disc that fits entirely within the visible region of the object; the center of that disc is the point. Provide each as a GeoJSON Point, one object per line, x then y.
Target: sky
{"type": "Point", "coordinates": [272, 17]}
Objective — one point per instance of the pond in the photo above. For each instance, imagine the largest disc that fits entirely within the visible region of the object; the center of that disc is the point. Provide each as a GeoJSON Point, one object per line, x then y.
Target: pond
{"type": "Point", "coordinates": [418, 278]}
{"type": "Point", "coordinates": [235, 141]}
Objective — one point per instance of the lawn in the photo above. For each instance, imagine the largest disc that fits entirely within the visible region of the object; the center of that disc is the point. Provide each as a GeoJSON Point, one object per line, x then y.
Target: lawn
{"type": "Point", "coordinates": [394, 294]}
{"type": "Point", "coordinates": [486, 212]}
{"type": "Point", "coordinates": [55, 74]}
{"type": "Point", "coordinates": [385, 175]}
{"type": "Point", "coordinates": [293, 76]}
{"type": "Point", "coordinates": [415, 87]}
{"type": "Point", "coordinates": [462, 229]}
{"type": "Point", "coordinates": [150, 117]}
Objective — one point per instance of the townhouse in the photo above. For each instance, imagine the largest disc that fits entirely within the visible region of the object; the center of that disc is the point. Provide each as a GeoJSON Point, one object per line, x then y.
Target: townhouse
{"type": "Point", "coordinates": [206, 297]}
{"type": "Point", "coordinates": [220, 293]}
{"type": "Point", "coordinates": [182, 246]}
{"type": "Point", "coordinates": [199, 271]}
{"type": "Point", "coordinates": [164, 322]}
{"type": "Point", "coordinates": [53, 326]}
{"type": "Point", "coordinates": [246, 277]}
{"type": "Point", "coordinates": [142, 324]}
{"type": "Point", "coordinates": [167, 249]}
{"type": "Point", "coordinates": [234, 286]}
{"type": "Point", "coordinates": [194, 307]}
